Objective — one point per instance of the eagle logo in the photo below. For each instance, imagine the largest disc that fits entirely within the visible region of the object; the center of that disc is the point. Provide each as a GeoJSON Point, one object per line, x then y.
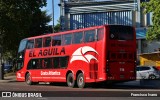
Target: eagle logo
{"type": "Point", "coordinates": [80, 54]}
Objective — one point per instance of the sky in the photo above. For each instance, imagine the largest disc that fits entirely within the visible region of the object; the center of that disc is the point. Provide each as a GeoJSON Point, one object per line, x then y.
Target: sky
{"type": "Point", "coordinates": [56, 10]}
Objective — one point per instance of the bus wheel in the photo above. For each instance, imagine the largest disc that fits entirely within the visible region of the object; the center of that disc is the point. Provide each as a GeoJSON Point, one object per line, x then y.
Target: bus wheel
{"type": "Point", "coordinates": [28, 79]}
{"type": "Point", "coordinates": [70, 80]}
{"type": "Point", "coordinates": [80, 80]}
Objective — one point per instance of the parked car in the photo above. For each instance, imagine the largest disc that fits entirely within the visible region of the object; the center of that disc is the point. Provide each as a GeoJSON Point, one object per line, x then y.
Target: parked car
{"type": "Point", "coordinates": [147, 72]}
{"type": "Point", "coordinates": [7, 68]}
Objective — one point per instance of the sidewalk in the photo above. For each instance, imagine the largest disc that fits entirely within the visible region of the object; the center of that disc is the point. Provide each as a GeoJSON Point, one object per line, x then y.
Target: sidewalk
{"type": "Point", "coordinates": [8, 79]}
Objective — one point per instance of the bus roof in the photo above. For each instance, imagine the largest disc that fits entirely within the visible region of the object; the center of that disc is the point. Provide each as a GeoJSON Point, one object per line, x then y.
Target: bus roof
{"type": "Point", "coordinates": [69, 31]}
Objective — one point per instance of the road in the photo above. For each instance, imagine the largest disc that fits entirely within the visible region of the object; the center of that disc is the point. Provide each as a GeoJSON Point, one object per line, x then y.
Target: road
{"type": "Point", "coordinates": [124, 90]}
{"type": "Point", "coordinates": [127, 86]}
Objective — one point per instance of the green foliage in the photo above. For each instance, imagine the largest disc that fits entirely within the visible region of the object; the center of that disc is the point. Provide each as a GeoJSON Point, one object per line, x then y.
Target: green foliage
{"type": "Point", "coordinates": [39, 23]}
{"type": "Point", "coordinates": [21, 19]}
{"type": "Point", "coordinates": [154, 7]}
{"type": "Point", "coordinates": [57, 27]}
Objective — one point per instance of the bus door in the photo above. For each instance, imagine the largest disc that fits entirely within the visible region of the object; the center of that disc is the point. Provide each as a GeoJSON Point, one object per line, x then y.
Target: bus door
{"type": "Point", "coordinates": [32, 68]}
{"type": "Point", "coordinates": [19, 68]}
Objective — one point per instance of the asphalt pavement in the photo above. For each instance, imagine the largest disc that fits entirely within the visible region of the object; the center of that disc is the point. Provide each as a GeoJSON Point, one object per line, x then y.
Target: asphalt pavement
{"type": "Point", "coordinates": [137, 83]}
{"type": "Point", "coordinates": [125, 89]}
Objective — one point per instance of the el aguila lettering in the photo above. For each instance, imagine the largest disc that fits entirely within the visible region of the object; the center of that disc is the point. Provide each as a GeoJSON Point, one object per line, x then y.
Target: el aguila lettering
{"type": "Point", "coordinates": [48, 52]}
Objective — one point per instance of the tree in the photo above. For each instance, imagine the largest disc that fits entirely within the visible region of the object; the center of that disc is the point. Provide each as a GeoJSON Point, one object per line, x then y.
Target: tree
{"type": "Point", "coordinates": [154, 7]}
{"type": "Point", "coordinates": [57, 26]}
{"type": "Point", "coordinates": [21, 19]}
{"type": "Point", "coordinates": [39, 24]}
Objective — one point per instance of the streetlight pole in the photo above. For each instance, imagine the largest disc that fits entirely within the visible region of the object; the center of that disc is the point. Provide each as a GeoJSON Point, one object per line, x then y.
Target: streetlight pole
{"type": "Point", "coordinates": [1, 65]}
{"type": "Point", "coordinates": [53, 14]}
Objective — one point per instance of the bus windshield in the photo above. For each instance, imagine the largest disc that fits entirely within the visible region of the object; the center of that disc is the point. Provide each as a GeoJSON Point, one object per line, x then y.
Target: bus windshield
{"type": "Point", "coordinates": [22, 45]}
{"type": "Point", "coordinates": [121, 32]}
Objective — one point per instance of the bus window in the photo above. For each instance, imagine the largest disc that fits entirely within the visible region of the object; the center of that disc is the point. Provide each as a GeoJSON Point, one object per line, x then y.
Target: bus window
{"type": "Point", "coordinates": [39, 63]}
{"type": "Point", "coordinates": [56, 62]}
{"type": "Point", "coordinates": [38, 43]}
{"type": "Point", "coordinates": [30, 44]}
{"type": "Point", "coordinates": [59, 62]}
{"type": "Point", "coordinates": [46, 63]}
{"type": "Point", "coordinates": [32, 64]}
{"type": "Point", "coordinates": [78, 38]}
{"type": "Point", "coordinates": [64, 62]}
{"type": "Point", "coordinates": [67, 38]}
{"type": "Point", "coordinates": [47, 41]}
{"type": "Point", "coordinates": [22, 46]}
{"type": "Point", "coordinates": [121, 33]}
{"type": "Point", "coordinates": [89, 36]}
{"type": "Point", "coordinates": [56, 40]}
{"type": "Point", "coordinates": [100, 34]}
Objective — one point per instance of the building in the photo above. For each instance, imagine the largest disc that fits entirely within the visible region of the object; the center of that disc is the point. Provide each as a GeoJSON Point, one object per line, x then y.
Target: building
{"type": "Point", "coordinates": [77, 14]}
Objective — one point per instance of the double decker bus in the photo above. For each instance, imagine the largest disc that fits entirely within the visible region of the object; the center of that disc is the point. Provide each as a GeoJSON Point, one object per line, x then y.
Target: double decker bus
{"type": "Point", "coordinates": [95, 54]}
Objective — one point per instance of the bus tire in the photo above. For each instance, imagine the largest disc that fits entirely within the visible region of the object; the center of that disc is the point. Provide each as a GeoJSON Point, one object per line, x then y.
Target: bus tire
{"type": "Point", "coordinates": [28, 79]}
{"type": "Point", "coordinates": [80, 80]}
{"type": "Point", "coordinates": [70, 80]}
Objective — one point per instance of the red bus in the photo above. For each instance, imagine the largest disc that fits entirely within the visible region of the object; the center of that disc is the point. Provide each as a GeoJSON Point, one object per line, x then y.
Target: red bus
{"type": "Point", "coordinates": [95, 54]}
